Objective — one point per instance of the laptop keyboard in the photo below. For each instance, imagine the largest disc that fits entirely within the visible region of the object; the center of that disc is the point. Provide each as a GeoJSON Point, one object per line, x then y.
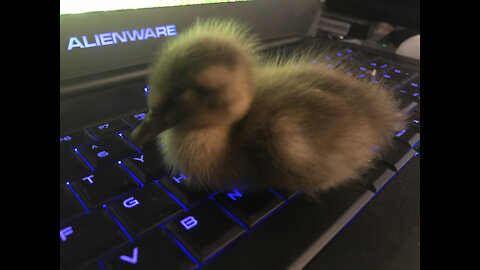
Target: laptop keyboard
{"type": "Point", "coordinates": [119, 207]}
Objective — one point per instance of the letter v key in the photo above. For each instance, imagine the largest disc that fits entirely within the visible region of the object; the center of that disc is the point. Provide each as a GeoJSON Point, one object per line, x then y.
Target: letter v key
{"type": "Point", "coordinates": [133, 259]}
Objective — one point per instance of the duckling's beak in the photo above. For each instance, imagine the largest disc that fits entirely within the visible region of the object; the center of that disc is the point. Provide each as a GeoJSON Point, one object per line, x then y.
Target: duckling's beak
{"type": "Point", "coordinates": [150, 127]}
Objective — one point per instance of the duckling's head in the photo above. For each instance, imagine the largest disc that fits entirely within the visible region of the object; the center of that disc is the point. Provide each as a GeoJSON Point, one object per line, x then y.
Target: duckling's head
{"type": "Point", "coordinates": [200, 79]}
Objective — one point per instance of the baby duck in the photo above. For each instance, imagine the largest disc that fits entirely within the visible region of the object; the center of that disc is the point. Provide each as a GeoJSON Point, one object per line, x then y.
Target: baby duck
{"type": "Point", "coordinates": [227, 118]}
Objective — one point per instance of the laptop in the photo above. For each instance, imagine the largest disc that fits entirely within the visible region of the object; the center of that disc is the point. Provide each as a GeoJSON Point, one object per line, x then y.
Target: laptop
{"type": "Point", "coordinates": [120, 210]}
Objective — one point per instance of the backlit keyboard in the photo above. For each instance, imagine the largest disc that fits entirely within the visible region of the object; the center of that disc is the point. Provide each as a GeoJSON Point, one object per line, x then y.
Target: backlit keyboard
{"type": "Point", "coordinates": [120, 208]}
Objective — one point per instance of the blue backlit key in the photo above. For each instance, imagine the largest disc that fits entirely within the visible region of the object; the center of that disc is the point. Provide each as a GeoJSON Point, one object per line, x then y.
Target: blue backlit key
{"type": "Point", "coordinates": [145, 208]}
{"type": "Point", "coordinates": [135, 119]}
{"type": "Point", "coordinates": [397, 155]}
{"type": "Point", "coordinates": [88, 238]}
{"type": "Point", "coordinates": [178, 185]}
{"type": "Point", "coordinates": [103, 184]}
{"type": "Point", "coordinates": [108, 128]}
{"type": "Point", "coordinates": [69, 205]}
{"type": "Point", "coordinates": [147, 165]}
{"type": "Point", "coordinates": [205, 230]}
{"type": "Point", "coordinates": [154, 251]}
{"type": "Point", "coordinates": [249, 208]}
{"type": "Point", "coordinates": [409, 135]}
{"type": "Point", "coordinates": [74, 139]}
{"type": "Point", "coordinates": [71, 164]}
{"type": "Point", "coordinates": [105, 151]}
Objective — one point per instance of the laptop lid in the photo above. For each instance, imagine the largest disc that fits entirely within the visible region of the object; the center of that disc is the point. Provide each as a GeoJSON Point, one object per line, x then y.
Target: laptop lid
{"type": "Point", "coordinates": [102, 39]}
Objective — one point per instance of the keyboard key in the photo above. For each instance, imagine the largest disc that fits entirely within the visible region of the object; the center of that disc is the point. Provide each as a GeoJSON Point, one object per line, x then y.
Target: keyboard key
{"type": "Point", "coordinates": [144, 209]}
{"type": "Point", "coordinates": [251, 207]}
{"type": "Point", "coordinates": [409, 135]}
{"type": "Point", "coordinates": [108, 128]}
{"type": "Point", "coordinates": [177, 185]}
{"type": "Point", "coordinates": [204, 230]}
{"type": "Point", "coordinates": [374, 178]}
{"type": "Point", "coordinates": [69, 205]}
{"type": "Point", "coordinates": [407, 104]}
{"type": "Point", "coordinates": [105, 151]}
{"type": "Point", "coordinates": [135, 119]}
{"type": "Point", "coordinates": [104, 184]}
{"type": "Point", "coordinates": [73, 140]}
{"type": "Point", "coordinates": [71, 164]}
{"type": "Point", "coordinates": [399, 154]}
{"type": "Point", "coordinates": [88, 238]}
{"type": "Point", "coordinates": [152, 144]}
{"type": "Point", "coordinates": [154, 251]}
{"type": "Point", "coordinates": [415, 121]}
{"type": "Point", "coordinates": [147, 165]}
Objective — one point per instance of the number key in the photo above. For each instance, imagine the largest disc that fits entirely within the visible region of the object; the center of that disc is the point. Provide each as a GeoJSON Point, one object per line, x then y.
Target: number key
{"type": "Point", "coordinates": [105, 151]}
{"type": "Point", "coordinates": [74, 139]}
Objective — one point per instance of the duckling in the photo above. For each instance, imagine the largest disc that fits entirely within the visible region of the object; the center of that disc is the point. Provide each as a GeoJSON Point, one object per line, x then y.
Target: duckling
{"type": "Point", "coordinates": [226, 117]}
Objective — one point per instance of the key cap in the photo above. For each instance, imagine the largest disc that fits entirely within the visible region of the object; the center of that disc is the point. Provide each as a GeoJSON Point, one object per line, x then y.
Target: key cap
{"type": "Point", "coordinates": [249, 208]}
{"type": "Point", "coordinates": [69, 205]}
{"type": "Point", "coordinates": [204, 230]}
{"type": "Point", "coordinates": [409, 135]}
{"type": "Point", "coordinates": [108, 128]}
{"type": "Point", "coordinates": [398, 155]}
{"type": "Point", "coordinates": [155, 251]}
{"type": "Point", "coordinates": [407, 104]}
{"type": "Point", "coordinates": [177, 185]}
{"type": "Point", "coordinates": [88, 238]}
{"type": "Point", "coordinates": [71, 164]}
{"type": "Point", "coordinates": [105, 151]}
{"type": "Point", "coordinates": [73, 140]}
{"type": "Point", "coordinates": [147, 165]}
{"type": "Point", "coordinates": [136, 118]}
{"type": "Point", "coordinates": [106, 183]}
{"type": "Point", "coordinates": [144, 208]}
{"type": "Point", "coordinates": [415, 121]}
{"type": "Point", "coordinates": [152, 144]}
{"type": "Point", "coordinates": [374, 178]}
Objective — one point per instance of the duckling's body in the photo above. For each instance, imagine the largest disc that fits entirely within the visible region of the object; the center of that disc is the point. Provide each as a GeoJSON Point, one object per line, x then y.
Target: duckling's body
{"type": "Point", "coordinates": [258, 124]}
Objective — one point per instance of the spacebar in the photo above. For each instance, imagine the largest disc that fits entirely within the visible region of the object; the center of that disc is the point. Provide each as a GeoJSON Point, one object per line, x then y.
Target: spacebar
{"type": "Point", "coordinates": [292, 236]}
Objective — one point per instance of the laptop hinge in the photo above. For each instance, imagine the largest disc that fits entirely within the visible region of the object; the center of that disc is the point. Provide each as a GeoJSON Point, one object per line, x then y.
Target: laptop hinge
{"type": "Point", "coordinates": [280, 41]}
{"type": "Point", "coordinates": [84, 85]}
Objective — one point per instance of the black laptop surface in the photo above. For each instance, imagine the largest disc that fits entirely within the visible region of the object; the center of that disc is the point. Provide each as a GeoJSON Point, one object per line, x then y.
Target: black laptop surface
{"type": "Point", "coordinates": [120, 210]}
